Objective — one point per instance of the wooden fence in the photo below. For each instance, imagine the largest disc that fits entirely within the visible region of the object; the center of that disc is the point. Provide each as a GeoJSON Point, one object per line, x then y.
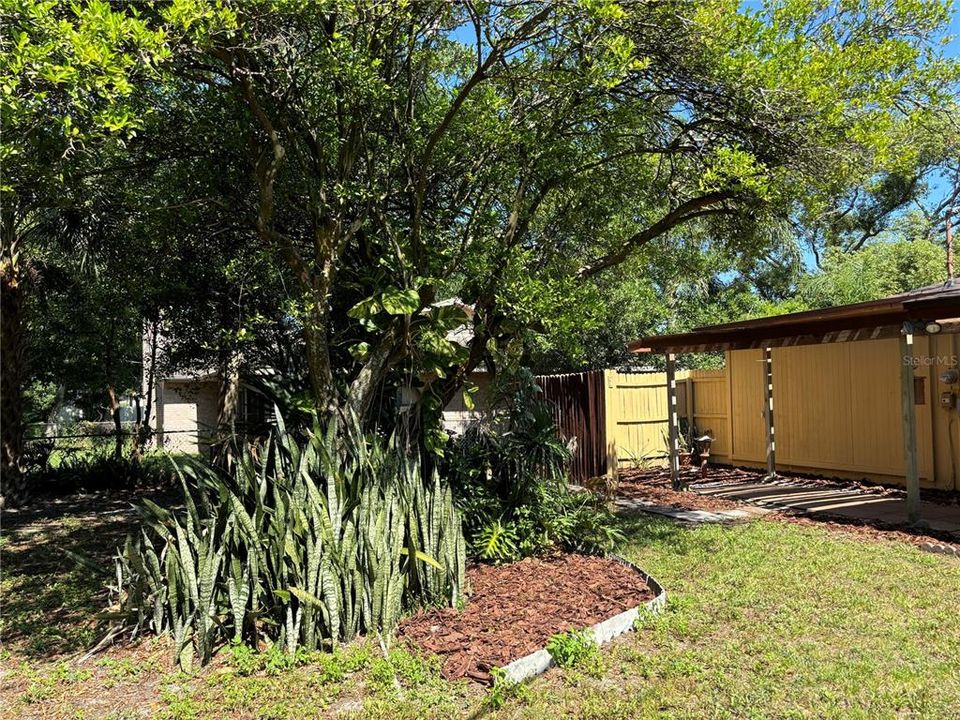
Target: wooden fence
{"type": "Point", "coordinates": [636, 413]}
{"type": "Point", "coordinates": [836, 408]}
{"type": "Point", "coordinates": [837, 411]}
{"type": "Point", "coordinates": [578, 400]}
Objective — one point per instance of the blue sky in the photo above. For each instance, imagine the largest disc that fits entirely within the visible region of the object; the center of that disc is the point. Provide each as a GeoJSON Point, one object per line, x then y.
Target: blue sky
{"type": "Point", "coordinates": [938, 185]}
{"type": "Point", "coordinates": [952, 50]}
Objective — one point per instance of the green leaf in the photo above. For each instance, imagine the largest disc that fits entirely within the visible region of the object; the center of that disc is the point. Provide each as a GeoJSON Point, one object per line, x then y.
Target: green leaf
{"type": "Point", "coordinates": [400, 302]}
{"type": "Point", "coordinates": [422, 557]}
{"type": "Point", "coordinates": [365, 309]}
{"type": "Point", "coordinates": [304, 597]}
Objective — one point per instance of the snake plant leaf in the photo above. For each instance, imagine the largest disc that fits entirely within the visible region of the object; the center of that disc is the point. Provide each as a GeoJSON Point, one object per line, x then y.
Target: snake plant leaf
{"type": "Point", "coordinates": [423, 557]}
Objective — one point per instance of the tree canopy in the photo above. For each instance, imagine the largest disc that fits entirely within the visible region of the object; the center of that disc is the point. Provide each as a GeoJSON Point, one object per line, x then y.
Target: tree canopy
{"type": "Point", "coordinates": [359, 161]}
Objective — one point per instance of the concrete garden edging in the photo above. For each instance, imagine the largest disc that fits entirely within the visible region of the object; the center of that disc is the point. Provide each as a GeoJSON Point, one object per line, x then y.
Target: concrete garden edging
{"type": "Point", "coordinates": [941, 549]}
{"type": "Point", "coordinates": [537, 663]}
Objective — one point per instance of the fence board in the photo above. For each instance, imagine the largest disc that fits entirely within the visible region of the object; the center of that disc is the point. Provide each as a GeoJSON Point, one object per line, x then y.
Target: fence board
{"type": "Point", "coordinates": [578, 400]}
{"type": "Point", "coordinates": [637, 409]}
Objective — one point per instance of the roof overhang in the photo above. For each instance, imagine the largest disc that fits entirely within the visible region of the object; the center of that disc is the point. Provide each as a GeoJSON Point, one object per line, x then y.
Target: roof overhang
{"type": "Point", "coordinates": [874, 320]}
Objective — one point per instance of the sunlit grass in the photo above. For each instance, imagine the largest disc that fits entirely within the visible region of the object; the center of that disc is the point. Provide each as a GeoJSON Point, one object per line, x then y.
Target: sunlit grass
{"type": "Point", "coordinates": [766, 620]}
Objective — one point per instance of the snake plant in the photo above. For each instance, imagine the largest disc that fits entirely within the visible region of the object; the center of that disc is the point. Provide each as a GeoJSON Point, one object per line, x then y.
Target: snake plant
{"type": "Point", "coordinates": [306, 543]}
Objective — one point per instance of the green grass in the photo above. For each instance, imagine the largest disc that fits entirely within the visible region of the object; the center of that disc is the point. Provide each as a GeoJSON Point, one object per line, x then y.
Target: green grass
{"type": "Point", "coordinates": [778, 620]}
{"type": "Point", "coordinates": [767, 620]}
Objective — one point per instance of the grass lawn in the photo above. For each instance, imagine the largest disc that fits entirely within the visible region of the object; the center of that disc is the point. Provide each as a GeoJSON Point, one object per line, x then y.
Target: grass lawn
{"type": "Point", "coordinates": [769, 619]}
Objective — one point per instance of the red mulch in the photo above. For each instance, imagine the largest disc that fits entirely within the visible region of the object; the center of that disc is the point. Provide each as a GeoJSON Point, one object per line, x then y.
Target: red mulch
{"type": "Point", "coordinates": [660, 477]}
{"type": "Point", "coordinates": [654, 485]}
{"type": "Point", "coordinates": [516, 608]}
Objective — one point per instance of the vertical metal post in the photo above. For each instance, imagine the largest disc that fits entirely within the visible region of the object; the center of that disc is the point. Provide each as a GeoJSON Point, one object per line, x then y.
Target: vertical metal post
{"type": "Point", "coordinates": [160, 389]}
{"type": "Point", "coordinates": [909, 416]}
{"type": "Point", "coordinates": [673, 422]}
{"type": "Point", "coordinates": [768, 412]}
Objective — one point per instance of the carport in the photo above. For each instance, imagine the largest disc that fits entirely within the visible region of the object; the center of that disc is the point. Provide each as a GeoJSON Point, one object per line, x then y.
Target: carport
{"type": "Point", "coordinates": [930, 315]}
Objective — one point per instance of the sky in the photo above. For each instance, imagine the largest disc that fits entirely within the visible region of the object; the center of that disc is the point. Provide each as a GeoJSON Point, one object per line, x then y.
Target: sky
{"type": "Point", "coordinates": [952, 50]}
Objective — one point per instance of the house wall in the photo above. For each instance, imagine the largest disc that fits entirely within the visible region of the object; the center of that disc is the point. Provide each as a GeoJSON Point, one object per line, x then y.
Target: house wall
{"type": "Point", "coordinates": [185, 414]}
{"type": "Point", "coordinates": [457, 416]}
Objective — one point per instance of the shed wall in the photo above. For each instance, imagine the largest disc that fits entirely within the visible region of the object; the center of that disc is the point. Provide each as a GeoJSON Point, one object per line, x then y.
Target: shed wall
{"type": "Point", "coordinates": [836, 410]}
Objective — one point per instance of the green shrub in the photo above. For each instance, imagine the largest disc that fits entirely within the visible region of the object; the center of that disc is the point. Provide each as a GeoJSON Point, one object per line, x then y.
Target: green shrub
{"type": "Point", "coordinates": [403, 668]}
{"type": "Point", "coordinates": [509, 472]}
{"type": "Point", "coordinates": [99, 470]}
{"type": "Point", "coordinates": [243, 658]}
{"type": "Point", "coordinates": [306, 543]}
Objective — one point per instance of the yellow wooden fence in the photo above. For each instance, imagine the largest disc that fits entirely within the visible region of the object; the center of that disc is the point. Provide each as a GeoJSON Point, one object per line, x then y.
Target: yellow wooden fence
{"type": "Point", "coordinates": [636, 413]}
{"type": "Point", "coordinates": [836, 410]}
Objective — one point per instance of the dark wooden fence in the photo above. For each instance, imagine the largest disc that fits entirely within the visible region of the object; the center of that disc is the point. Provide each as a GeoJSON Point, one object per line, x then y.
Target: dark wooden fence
{"type": "Point", "coordinates": [578, 400]}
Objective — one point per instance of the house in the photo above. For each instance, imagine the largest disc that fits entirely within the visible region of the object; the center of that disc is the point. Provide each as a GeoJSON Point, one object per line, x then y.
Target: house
{"type": "Point", "coordinates": [184, 406]}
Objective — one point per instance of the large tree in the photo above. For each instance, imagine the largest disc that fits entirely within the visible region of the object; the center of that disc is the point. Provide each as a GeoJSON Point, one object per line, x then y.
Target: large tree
{"type": "Point", "coordinates": [507, 151]}
{"type": "Point", "coordinates": [77, 82]}
{"type": "Point", "coordinates": [66, 87]}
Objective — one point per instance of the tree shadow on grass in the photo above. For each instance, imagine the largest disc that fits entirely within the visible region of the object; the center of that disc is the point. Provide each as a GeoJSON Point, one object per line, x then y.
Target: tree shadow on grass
{"type": "Point", "coordinates": [49, 601]}
{"type": "Point", "coordinates": [643, 529]}
{"type": "Point", "coordinates": [638, 525]}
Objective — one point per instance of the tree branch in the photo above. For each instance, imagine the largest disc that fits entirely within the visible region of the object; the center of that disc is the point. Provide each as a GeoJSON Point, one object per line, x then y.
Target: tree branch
{"type": "Point", "coordinates": [693, 208]}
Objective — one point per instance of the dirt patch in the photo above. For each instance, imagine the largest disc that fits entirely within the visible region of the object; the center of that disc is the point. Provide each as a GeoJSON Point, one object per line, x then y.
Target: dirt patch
{"type": "Point", "coordinates": [871, 531]}
{"type": "Point", "coordinates": [660, 477]}
{"type": "Point", "coordinates": [654, 485]}
{"type": "Point", "coordinates": [515, 609]}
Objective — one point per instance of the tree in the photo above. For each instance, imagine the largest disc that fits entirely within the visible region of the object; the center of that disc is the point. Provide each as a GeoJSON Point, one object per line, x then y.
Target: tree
{"type": "Point", "coordinates": [506, 153]}
{"type": "Point", "coordinates": [66, 86]}
{"type": "Point", "coordinates": [876, 271]}
{"type": "Point", "coordinates": [668, 287]}
{"type": "Point", "coordinates": [74, 83]}
{"type": "Point", "coordinates": [510, 151]}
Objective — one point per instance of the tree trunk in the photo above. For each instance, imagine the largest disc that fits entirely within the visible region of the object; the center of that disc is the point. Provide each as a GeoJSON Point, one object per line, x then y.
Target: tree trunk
{"type": "Point", "coordinates": [143, 431]}
{"type": "Point", "coordinates": [318, 367]}
{"type": "Point", "coordinates": [13, 367]}
{"type": "Point", "coordinates": [228, 400]}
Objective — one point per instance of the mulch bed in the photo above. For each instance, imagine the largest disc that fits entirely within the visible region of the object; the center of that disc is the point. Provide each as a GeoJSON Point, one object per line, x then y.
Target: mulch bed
{"type": "Point", "coordinates": [660, 477]}
{"type": "Point", "coordinates": [516, 608]}
{"type": "Point", "coordinates": [654, 485]}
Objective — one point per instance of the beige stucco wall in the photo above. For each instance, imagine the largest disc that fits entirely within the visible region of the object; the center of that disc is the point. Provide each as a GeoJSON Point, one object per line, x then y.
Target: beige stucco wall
{"type": "Point", "coordinates": [185, 414]}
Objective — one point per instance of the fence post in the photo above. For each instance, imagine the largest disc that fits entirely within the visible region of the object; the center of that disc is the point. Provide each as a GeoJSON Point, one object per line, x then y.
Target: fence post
{"type": "Point", "coordinates": [909, 418]}
{"type": "Point", "coordinates": [161, 387]}
{"type": "Point", "coordinates": [610, 400]}
{"type": "Point", "coordinates": [672, 421]}
{"type": "Point", "coordinates": [768, 412]}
